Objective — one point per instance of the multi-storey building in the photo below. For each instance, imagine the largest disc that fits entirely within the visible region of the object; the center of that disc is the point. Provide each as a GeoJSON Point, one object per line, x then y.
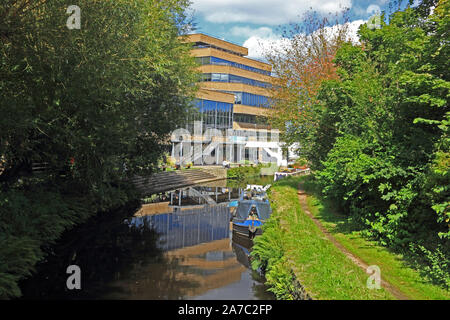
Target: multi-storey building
{"type": "Point", "coordinates": [234, 98]}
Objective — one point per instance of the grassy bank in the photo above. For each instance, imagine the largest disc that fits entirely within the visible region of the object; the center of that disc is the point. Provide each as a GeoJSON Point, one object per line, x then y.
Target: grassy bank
{"type": "Point", "coordinates": [240, 173]}
{"type": "Point", "coordinates": [293, 249]}
{"type": "Point", "coordinates": [394, 267]}
{"type": "Point", "coordinates": [248, 171]}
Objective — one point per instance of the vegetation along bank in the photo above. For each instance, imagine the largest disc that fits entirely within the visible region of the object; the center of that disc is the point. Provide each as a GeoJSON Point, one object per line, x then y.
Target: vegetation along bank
{"type": "Point", "coordinates": [300, 261]}
{"type": "Point", "coordinates": [89, 107]}
{"type": "Point", "coordinates": [372, 119]}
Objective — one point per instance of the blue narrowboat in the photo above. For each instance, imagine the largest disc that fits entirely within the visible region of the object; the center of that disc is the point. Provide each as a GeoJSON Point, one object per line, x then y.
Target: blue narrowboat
{"type": "Point", "coordinates": [250, 216]}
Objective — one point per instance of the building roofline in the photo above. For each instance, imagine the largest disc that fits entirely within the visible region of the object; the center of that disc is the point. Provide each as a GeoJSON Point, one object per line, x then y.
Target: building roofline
{"type": "Point", "coordinates": [234, 58]}
{"type": "Point", "coordinates": [226, 45]}
{"type": "Point", "coordinates": [202, 37]}
{"type": "Point", "coordinates": [215, 37]}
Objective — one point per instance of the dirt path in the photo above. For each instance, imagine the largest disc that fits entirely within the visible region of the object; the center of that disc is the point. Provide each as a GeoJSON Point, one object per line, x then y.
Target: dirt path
{"type": "Point", "coordinates": [386, 285]}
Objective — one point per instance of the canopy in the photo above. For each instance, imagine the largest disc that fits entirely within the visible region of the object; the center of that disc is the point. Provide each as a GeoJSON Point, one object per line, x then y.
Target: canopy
{"type": "Point", "coordinates": [244, 207]}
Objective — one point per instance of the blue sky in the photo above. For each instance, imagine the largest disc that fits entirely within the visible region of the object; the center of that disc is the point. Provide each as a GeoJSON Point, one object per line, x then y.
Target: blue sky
{"type": "Point", "coordinates": [250, 22]}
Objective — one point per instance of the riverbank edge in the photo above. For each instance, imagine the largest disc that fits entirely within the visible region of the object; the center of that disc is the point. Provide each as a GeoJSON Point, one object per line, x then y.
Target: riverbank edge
{"type": "Point", "coordinates": [317, 271]}
{"type": "Point", "coordinates": [248, 171]}
{"type": "Point", "coordinates": [395, 269]}
{"type": "Point", "coordinates": [406, 282]}
{"type": "Point", "coordinates": [22, 252]}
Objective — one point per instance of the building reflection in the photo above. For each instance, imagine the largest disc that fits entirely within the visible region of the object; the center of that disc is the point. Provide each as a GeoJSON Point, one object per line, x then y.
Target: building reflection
{"type": "Point", "coordinates": [163, 251]}
{"type": "Point", "coordinates": [190, 197]}
{"type": "Point", "coordinates": [199, 254]}
{"type": "Point", "coordinates": [188, 227]}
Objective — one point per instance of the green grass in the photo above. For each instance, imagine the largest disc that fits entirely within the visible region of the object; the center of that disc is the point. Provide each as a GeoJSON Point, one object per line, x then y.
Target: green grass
{"type": "Point", "coordinates": [394, 268]}
{"type": "Point", "coordinates": [246, 172]}
{"type": "Point", "coordinates": [291, 240]}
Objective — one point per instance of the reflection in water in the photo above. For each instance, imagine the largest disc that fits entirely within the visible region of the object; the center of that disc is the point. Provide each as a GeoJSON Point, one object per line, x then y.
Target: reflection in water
{"type": "Point", "coordinates": [189, 227]}
{"type": "Point", "coordinates": [242, 249]}
{"type": "Point", "coordinates": [194, 196]}
{"type": "Point", "coordinates": [168, 250]}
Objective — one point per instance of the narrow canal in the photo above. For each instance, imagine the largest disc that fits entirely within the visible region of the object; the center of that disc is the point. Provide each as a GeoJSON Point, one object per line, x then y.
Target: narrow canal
{"type": "Point", "coordinates": [178, 245]}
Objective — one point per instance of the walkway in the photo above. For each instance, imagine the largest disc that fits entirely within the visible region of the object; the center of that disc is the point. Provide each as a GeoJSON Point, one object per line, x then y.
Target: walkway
{"type": "Point", "coordinates": [302, 196]}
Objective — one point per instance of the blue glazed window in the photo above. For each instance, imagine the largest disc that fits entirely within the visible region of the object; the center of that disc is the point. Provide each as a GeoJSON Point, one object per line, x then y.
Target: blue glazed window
{"type": "Point", "coordinates": [250, 99]}
{"type": "Point", "coordinates": [223, 77]}
{"type": "Point", "coordinates": [214, 114]}
{"type": "Point", "coordinates": [219, 61]}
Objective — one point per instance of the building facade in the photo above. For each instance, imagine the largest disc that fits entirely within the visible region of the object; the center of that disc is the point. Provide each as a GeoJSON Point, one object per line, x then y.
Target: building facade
{"type": "Point", "coordinates": [231, 107]}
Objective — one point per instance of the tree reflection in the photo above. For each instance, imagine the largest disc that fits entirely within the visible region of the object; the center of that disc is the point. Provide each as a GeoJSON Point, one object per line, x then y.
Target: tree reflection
{"type": "Point", "coordinates": [113, 255]}
{"type": "Point", "coordinates": [242, 248]}
{"type": "Point", "coordinates": [120, 257]}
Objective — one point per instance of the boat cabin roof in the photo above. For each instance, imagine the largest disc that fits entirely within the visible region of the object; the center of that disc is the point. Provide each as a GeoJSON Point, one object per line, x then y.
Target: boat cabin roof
{"type": "Point", "coordinates": [262, 207]}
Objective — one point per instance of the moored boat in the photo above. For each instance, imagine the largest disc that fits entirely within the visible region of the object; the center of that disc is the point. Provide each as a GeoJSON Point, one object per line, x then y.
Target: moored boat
{"type": "Point", "coordinates": [250, 216]}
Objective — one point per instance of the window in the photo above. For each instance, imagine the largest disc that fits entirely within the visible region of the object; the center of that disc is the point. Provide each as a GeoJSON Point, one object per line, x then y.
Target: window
{"type": "Point", "coordinates": [219, 61]}
{"type": "Point", "coordinates": [201, 45]}
{"type": "Point", "coordinates": [238, 97]}
{"type": "Point", "coordinates": [224, 77]}
{"type": "Point", "coordinates": [215, 77]}
{"type": "Point", "coordinates": [214, 114]}
{"type": "Point", "coordinates": [203, 60]}
{"type": "Point", "coordinates": [206, 77]}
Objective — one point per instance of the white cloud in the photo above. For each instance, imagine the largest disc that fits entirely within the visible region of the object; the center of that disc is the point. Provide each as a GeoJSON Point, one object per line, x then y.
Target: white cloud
{"type": "Point", "coordinates": [257, 45]}
{"type": "Point", "coordinates": [263, 32]}
{"type": "Point", "coordinates": [262, 39]}
{"type": "Point", "coordinates": [266, 12]}
{"type": "Point", "coordinates": [352, 34]}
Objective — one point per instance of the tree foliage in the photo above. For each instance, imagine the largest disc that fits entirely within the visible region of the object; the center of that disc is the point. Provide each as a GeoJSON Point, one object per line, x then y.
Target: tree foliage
{"type": "Point", "coordinates": [94, 105]}
{"type": "Point", "coordinates": [301, 63]}
{"type": "Point", "coordinates": [377, 134]}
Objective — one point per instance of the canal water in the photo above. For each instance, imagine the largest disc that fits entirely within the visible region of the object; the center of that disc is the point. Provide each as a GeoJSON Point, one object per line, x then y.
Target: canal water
{"type": "Point", "coordinates": [177, 245]}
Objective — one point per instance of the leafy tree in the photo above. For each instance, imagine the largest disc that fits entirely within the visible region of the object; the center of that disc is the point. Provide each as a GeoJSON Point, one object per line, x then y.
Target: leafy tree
{"type": "Point", "coordinates": [386, 161]}
{"type": "Point", "coordinates": [94, 105]}
{"type": "Point", "coordinates": [376, 132]}
{"type": "Point", "coordinates": [302, 62]}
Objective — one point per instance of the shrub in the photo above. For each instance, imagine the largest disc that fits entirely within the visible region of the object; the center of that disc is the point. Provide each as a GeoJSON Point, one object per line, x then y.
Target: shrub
{"type": "Point", "coordinates": [245, 172]}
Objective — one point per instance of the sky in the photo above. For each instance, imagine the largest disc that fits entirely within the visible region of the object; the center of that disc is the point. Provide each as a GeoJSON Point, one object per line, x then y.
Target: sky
{"type": "Point", "coordinates": [254, 22]}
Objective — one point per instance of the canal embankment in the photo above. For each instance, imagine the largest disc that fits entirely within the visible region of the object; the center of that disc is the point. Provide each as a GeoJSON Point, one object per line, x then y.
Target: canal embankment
{"type": "Point", "coordinates": [293, 250]}
{"type": "Point", "coordinates": [398, 273]}
{"type": "Point", "coordinates": [251, 171]}
{"type": "Point", "coordinates": [308, 248]}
